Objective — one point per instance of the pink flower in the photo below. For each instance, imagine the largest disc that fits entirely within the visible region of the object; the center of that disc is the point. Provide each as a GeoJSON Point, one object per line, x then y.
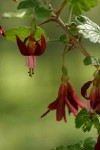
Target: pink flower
{"type": "Point", "coordinates": [66, 96]}
{"type": "Point", "coordinates": [94, 96]}
{"type": "Point", "coordinates": [2, 31]}
{"type": "Point", "coordinates": [31, 48]}
{"type": "Point", "coordinates": [31, 63]}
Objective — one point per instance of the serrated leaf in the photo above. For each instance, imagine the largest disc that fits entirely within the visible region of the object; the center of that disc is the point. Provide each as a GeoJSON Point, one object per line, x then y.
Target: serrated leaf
{"type": "Point", "coordinates": [87, 125]}
{"type": "Point", "coordinates": [42, 12]}
{"type": "Point", "coordinates": [60, 148]}
{"type": "Point", "coordinates": [82, 5]}
{"type": "Point", "coordinates": [21, 32]}
{"type": "Point", "coordinates": [28, 4]}
{"type": "Point", "coordinates": [82, 117]}
{"type": "Point", "coordinates": [89, 29]}
{"type": "Point", "coordinates": [91, 60]}
{"type": "Point", "coordinates": [89, 143]}
{"type": "Point", "coordinates": [83, 120]}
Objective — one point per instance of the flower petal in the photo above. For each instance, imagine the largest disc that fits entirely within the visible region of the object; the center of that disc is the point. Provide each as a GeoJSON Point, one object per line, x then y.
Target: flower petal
{"type": "Point", "coordinates": [43, 42]}
{"type": "Point", "coordinates": [22, 47]}
{"type": "Point", "coordinates": [31, 61]}
{"type": "Point", "coordinates": [84, 89]}
{"type": "Point", "coordinates": [73, 98]}
{"type": "Point", "coordinates": [60, 112]}
{"type": "Point", "coordinates": [70, 107]}
{"type": "Point", "coordinates": [40, 48]}
{"type": "Point", "coordinates": [53, 105]}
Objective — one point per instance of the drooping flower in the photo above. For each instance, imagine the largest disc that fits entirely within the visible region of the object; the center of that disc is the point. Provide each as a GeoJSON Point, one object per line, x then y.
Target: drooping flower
{"type": "Point", "coordinates": [94, 96]}
{"type": "Point", "coordinates": [66, 97]}
{"type": "Point", "coordinates": [2, 32]}
{"type": "Point", "coordinates": [31, 48]}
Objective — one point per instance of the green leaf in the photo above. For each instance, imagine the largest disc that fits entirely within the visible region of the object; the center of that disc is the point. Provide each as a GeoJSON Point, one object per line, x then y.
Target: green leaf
{"type": "Point", "coordinates": [38, 33]}
{"type": "Point", "coordinates": [89, 143]}
{"type": "Point", "coordinates": [82, 116]}
{"type": "Point", "coordinates": [28, 3]}
{"type": "Point", "coordinates": [91, 60]}
{"type": "Point", "coordinates": [89, 29]}
{"type": "Point", "coordinates": [82, 5]}
{"type": "Point", "coordinates": [75, 147]}
{"type": "Point", "coordinates": [42, 12]}
{"type": "Point", "coordinates": [60, 148]}
{"type": "Point", "coordinates": [18, 14]}
{"type": "Point", "coordinates": [21, 32]}
{"type": "Point", "coordinates": [63, 38]}
{"type": "Point", "coordinates": [96, 121]}
{"type": "Point", "coordinates": [83, 120]}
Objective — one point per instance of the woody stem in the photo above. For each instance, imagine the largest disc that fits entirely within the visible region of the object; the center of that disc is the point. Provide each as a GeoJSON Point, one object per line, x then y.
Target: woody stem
{"type": "Point", "coordinates": [74, 39]}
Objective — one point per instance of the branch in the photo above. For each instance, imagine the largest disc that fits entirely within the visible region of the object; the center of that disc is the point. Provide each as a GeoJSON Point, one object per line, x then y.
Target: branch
{"type": "Point", "coordinates": [60, 9]}
{"type": "Point", "coordinates": [74, 39]}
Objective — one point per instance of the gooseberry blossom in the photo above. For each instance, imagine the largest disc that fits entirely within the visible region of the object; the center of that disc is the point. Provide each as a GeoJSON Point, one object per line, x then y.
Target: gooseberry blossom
{"type": "Point", "coordinates": [31, 48]}
{"type": "Point", "coordinates": [66, 97]}
{"type": "Point", "coordinates": [94, 96]}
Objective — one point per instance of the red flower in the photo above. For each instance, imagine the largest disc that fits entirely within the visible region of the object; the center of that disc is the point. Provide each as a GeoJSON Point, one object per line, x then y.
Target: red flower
{"type": "Point", "coordinates": [2, 31]}
{"type": "Point", "coordinates": [94, 96]}
{"type": "Point", "coordinates": [31, 48]}
{"type": "Point", "coordinates": [66, 96]}
{"type": "Point", "coordinates": [97, 146]}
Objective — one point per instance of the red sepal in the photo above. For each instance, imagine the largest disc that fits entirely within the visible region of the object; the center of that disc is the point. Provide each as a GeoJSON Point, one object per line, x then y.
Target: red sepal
{"type": "Point", "coordinates": [22, 47]}
{"type": "Point", "coordinates": [84, 89]}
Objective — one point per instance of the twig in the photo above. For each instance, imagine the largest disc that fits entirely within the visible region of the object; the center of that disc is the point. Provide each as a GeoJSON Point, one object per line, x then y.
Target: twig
{"type": "Point", "coordinates": [60, 9]}
{"type": "Point", "coordinates": [74, 39]}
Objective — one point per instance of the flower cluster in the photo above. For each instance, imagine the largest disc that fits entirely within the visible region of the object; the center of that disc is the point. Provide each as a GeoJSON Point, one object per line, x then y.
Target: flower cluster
{"type": "Point", "coordinates": [66, 96]}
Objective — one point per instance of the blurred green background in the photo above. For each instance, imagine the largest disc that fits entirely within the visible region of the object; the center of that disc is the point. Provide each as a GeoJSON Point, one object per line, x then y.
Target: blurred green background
{"type": "Point", "coordinates": [24, 99]}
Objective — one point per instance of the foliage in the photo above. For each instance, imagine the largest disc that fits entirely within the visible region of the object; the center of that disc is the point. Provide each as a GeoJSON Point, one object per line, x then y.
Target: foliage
{"type": "Point", "coordinates": [85, 120]}
{"type": "Point", "coordinates": [91, 60]}
{"type": "Point", "coordinates": [82, 5]}
{"type": "Point", "coordinates": [40, 12]}
{"type": "Point", "coordinates": [89, 29]}
{"type": "Point", "coordinates": [31, 41]}
{"type": "Point", "coordinates": [87, 144]}
{"type": "Point", "coordinates": [22, 32]}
